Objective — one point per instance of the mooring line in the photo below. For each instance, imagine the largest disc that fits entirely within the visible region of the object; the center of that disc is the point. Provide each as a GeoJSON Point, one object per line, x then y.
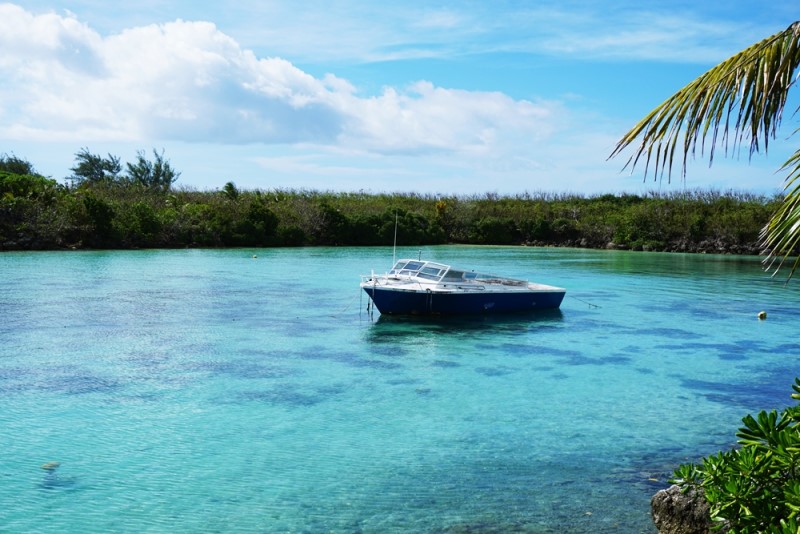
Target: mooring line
{"type": "Point", "coordinates": [585, 302]}
{"type": "Point", "coordinates": [348, 305]}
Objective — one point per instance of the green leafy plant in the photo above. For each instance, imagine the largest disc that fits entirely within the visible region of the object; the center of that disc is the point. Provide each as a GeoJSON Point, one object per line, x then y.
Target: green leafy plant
{"type": "Point", "coordinates": [756, 487]}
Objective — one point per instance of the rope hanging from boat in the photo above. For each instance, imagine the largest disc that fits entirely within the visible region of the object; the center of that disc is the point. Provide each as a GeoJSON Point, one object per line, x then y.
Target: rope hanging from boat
{"type": "Point", "coordinates": [585, 302]}
{"type": "Point", "coordinates": [347, 307]}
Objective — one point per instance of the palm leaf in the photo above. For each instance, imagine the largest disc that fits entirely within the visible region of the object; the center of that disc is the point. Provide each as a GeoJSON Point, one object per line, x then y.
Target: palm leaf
{"type": "Point", "coordinates": [739, 101]}
{"type": "Point", "coordinates": [781, 235]}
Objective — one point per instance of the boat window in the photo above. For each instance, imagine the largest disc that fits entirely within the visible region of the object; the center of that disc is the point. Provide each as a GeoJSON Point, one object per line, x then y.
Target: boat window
{"type": "Point", "coordinates": [414, 265]}
{"type": "Point", "coordinates": [454, 275]}
{"type": "Point", "coordinates": [398, 266]}
{"type": "Point", "coordinates": [431, 271]}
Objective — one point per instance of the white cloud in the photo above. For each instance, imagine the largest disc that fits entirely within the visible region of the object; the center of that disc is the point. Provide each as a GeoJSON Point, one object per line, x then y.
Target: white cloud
{"type": "Point", "coordinates": [649, 35]}
{"type": "Point", "coordinates": [442, 19]}
{"type": "Point", "coordinates": [429, 118]}
{"type": "Point", "coordinates": [188, 81]}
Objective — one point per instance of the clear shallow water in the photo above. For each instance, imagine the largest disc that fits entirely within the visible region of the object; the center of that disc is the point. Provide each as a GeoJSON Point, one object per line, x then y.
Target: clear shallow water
{"type": "Point", "coordinates": [207, 391]}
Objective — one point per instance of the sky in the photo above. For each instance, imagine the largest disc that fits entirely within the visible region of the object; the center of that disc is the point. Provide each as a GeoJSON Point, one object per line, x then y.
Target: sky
{"type": "Point", "coordinates": [448, 97]}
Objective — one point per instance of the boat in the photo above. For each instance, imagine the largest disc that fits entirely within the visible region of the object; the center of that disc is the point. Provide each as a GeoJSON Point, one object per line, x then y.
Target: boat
{"type": "Point", "coordinates": [419, 287]}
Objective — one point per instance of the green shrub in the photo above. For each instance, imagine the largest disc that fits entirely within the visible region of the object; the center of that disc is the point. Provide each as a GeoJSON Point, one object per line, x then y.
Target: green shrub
{"type": "Point", "coordinates": [495, 230]}
{"type": "Point", "coordinates": [755, 488]}
{"type": "Point", "coordinates": [334, 228]}
{"type": "Point", "coordinates": [367, 229]}
{"type": "Point", "coordinates": [257, 227]}
{"type": "Point", "coordinates": [142, 208]}
{"type": "Point", "coordinates": [138, 225]}
{"type": "Point", "coordinates": [26, 186]}
{"type": "Point", "coordinates": [538, 229]}
{"type": "Point", "coordinates": [291, 236]}
{"type": "Point", "coordinates": [101, 218]}
{"type": "Point", "coordinates": [412, 229]}
{"type": "Point", "coordinates": [564, 228]}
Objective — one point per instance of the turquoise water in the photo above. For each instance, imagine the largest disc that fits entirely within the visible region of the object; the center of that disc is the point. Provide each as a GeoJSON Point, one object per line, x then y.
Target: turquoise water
{"type": "Point", "coordinates": [210, 391]}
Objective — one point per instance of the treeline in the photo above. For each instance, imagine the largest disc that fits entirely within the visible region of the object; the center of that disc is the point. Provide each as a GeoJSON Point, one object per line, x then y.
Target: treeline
{"type": "Point", "coordinates": [100, 206]}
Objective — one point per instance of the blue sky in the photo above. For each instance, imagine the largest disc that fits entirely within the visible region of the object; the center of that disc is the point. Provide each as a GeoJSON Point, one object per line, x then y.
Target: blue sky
{"type": "Point", "coordinates": [439, 97]}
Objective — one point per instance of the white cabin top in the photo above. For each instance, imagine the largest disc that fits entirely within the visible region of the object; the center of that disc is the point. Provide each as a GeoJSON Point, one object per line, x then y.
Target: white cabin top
{"type": "Point", "coordinates": [439, 272]}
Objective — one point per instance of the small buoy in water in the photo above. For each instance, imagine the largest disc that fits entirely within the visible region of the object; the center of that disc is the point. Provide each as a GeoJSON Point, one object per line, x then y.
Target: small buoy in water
{"type": "Point", "coordinates": [254, 256]}
{"type": "Point", "coordinates": [762, 315]}
{"type": "Point", "coordinates": [51, 466]}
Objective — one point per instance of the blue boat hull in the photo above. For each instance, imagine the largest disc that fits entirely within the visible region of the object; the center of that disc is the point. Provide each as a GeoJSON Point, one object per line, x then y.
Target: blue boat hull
{"type": "Point", "coordinates": [394, 302]}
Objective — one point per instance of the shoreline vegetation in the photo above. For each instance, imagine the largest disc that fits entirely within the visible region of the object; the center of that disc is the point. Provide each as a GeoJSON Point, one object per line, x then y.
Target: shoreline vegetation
{"type": "Point", "coordinates": [102, 209]}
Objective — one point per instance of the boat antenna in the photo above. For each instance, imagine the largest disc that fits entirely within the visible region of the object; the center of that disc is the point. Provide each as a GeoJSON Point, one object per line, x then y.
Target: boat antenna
{"type": "Point", "coordinates": [394, 247]}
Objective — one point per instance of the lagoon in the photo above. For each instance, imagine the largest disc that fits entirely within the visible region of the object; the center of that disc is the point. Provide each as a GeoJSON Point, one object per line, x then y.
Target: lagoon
{"type": "Point", "coordinates": [249, 390]}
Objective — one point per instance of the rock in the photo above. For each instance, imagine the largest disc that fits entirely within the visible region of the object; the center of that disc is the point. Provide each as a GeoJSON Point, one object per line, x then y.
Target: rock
{"type": "Point", "coordinates": [680, 513]}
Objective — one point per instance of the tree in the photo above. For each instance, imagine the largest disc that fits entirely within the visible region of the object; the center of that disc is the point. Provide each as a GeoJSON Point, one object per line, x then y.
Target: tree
{"type": "Point", "coordinates": [157, 174]}
{"type": "Point", "coordinates": [92, 168]}
{"type": "Point", "coordinates": [15, 165]}
{"type": "Point", "coordinates": [230, 191]}
{"type": "Point", "coordinates": [750, 88]}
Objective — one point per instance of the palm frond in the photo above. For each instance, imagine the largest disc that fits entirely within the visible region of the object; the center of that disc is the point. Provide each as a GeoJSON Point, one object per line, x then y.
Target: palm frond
{"type": "Point", "coordinates": [747, 92]}
{"type": "Point", "coordinates": [739, 101]}
{"type": "Point", "coordinates": [781, 235]}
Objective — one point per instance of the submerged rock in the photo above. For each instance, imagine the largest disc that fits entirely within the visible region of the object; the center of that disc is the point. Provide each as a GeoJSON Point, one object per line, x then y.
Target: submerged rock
{"type": "Point", "coordinates": [680, 513]}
